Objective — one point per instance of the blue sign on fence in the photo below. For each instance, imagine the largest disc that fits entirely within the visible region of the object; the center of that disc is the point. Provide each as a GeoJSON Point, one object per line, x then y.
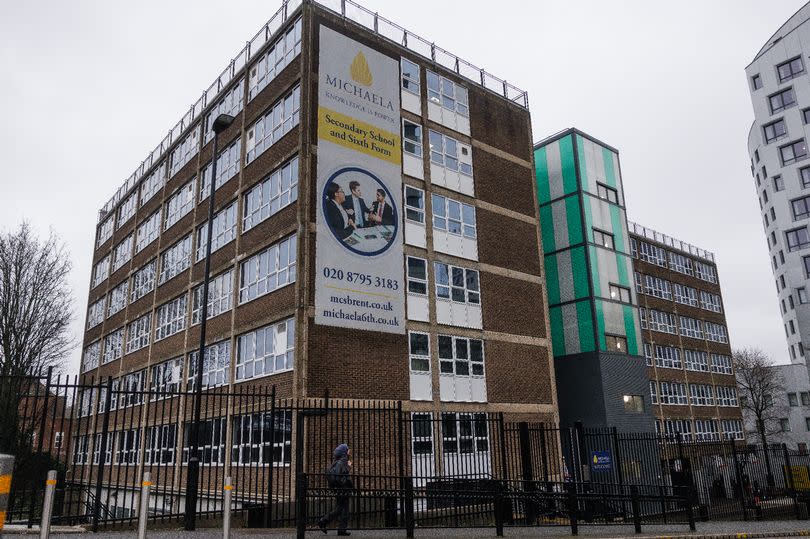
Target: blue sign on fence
{"type": "Point", "coordinates": [601, 461]}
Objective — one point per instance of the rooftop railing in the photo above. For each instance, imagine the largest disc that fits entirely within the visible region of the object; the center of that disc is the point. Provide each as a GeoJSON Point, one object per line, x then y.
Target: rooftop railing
{"type": "Point", "coordinates": [669, 241]}
{"type": "Point", "coordinates": [349, 10]}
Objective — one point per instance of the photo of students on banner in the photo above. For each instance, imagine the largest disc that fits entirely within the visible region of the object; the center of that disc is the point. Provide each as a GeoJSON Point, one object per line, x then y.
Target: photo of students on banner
{"type": "Point", "coordinates": [360, 211]}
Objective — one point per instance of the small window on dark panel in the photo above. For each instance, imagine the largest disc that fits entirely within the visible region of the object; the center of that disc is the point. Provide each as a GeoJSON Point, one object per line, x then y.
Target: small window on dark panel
{"type": "Point", "coordinates": [765, 196]}
{"type": "Point", "coordinates": [775, 130]}
{"type": "Point", "coordinates": [605, 239]}
{"type": "Point", "coordinates": [764, 172]}
{"type": "Point", "coordinates": [790, 69]}
{"type": "Point", "coordinates": [633, 403]}
{"type": "Point", "coordinates": [758, 183]}
{"type": "Point", "coordinates": [798, 239]}
{"type": "Point", "coordinates": [756, 156]}
{"type": "Point", "coordinates": [607, 193]}
{"type": "Point", "coordinates": [802, 294]}
{"type": "Point", "coordinates": [619, 293]}
{"type": "Point", "coordinates": [781, 257]}
{"type": "Point", "coordinates": [756, 82]}
{"type": "Point", "coordinates": [616, 343]}
{"type": "Point", "coordinates": [804, 176]}
{"type": "Point", "coordinates": [801, 208]}
{"type": "Point", "coordinates": [795, 151]}
{"type": "Point", "coordinates": [806, 116]}
{"type": "Point", "coordinates": [773, 213]}
{"type": "Point", "coordinates": [778, 183]}
{"type": "Point", "coordinates": [790, 301]}
{"type": "Point", "coordinates": [782, 100]}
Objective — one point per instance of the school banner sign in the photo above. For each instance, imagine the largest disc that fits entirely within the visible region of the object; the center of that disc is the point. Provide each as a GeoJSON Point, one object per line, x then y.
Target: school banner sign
{"type": "Point", "coordinates": [359, 279]}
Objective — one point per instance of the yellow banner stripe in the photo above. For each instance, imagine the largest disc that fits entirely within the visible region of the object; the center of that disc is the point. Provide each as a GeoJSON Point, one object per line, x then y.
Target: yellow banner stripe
{"type": "Point", "coordinates": [146, 484]}
{"type": "Point", "coordinates": [2, 519]}
{"type": "Point", "coordinates": [359, 136]}
{"type": "Point", "coordinates": [50, 481]}
{"type": "Point", "coordinates": [5, 484]}
{"type": "Point", "coordinates": [228, 487]}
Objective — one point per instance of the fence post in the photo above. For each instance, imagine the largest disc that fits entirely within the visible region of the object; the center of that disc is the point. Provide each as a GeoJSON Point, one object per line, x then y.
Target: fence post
{"type": "Point", "coordinates": [789, 473]}
{"type": "Point", "coordinates": [663, 503]}
{"type": "Point", "coordinates": [572, 507]}
{"type": "Point", "coordinates": [738, 473]}
{"type": "Point", "coordinates": [268, 512]}
{"type": "Point", "coordinates": [105, 432]}
{"type": "Point", "coordinates": [527, 471]}
{"type": "Point", "coordinates": [47, 505]}
{"type": "Point", "coordinates": [499, 511]}
{"type": "Point", "coordinates": [226, 509]}
{"type": "Point", "coordinates": [143, 506]}
{"type": "Point", "coordinates": [691, 515]}
{"type": "Point", "coordinates": [6, 469]}
{"type": "Point", "coordinates": [401, 463]}
{"type": "Point", "coordinates": [39, 435]}
{"type": "Point", "coordinates": [409, 524]}
{"type": "Point", "coordinates": [301, 485]}
{"type": "Point", "coordinates": [636, 509]}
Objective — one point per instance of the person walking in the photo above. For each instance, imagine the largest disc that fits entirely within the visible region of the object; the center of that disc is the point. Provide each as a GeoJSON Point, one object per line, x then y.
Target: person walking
{"type": "Point", "coordinates": [338, 479]}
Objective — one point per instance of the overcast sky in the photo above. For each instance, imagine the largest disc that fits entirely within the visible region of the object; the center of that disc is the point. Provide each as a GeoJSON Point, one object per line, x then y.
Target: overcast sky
{"type": "Point", "coordinates": [89, 88]}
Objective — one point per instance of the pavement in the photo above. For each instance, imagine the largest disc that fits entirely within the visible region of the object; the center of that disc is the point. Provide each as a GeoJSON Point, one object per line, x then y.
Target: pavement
{"type": "Point", "coordinates": [705, 530]}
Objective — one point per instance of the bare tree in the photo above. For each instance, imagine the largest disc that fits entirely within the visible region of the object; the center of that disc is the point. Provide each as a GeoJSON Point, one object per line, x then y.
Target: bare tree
{"type": "Point", "coordinates": [36, 309]}
{"type": "Point", "coordinates": [760, 384]}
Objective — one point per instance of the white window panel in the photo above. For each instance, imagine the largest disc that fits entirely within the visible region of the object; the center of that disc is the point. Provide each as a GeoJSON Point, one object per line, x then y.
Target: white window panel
{"type": "Point", "coordinates": [705, 272]}
{"type": "Point", "coordinates": [147, 232]}
{"type": "Point", "coordinates": [166, 376]}
{"type": "Point", "coordinates": [652, 254]}
{"type": "Point", "coordinates": [127, 450]}
{"type": "Point", "coordinates": [153, 183]}
{"type": "Point", "coordinates": [278, 121]}
{"type": "Point", "coordinates": [95, 313]}
{"type": "Point", "coordinates": [419, 359]}
{"type": "Point", "coordinates": [231, 103]}
{"type": "Point", "coordinates": [122, 253]}
{"type": "Point", "coordinates": [127, 209]}
{"type": "Point", "coordinates": [138, 333]}
{"type": "Point", "coordinates": [691, 327]}
{"type": "Point", "coordinates": [411, 93]}
{"type": "Point", "coordinates": [454, 227]}
{"type": "Point", "coordinates": [448, 103]}
{"type": "Point", "coordinates": [216, 366]}
{"type": "Point", "coordinates": [161, 444]}
{"type": "Point", "coordinates": [271, 63]}
{"type": "Point", "coordinates": [262, 439]}
{"type": "Point", "coordinates": [143, 280]}
{"type": "Point", "coordinates": [680, 263]}
{"type": "Point", "coordinates": [412, 149]}
{"type": "Point", "coordinates": [101, 271]}
{"type": "Point", "coordinates": [458, 295]}
{"type": "Point", "coordinates": [105, 230]}
{"type": "Point", "coordinates": [184, 151]}
{"type": "Point", "coordinates": [224, 231]}
{"type": "Point", "coordinates": [268, 270]}
{"type": "Point", "coordinates": [175, 259]}
{"type": "Point", "coordinates": [716, 332]}
{"type": "Point", "coordinates": [277, 191]}
{"type": "Point", "coordinates": [461, 363]}
{"type": "Point", "coordinates": [267, 350]}
{"type": "Point", "coordinates": [696, 360]}
{"type": "Point", "coordinates": [171, 317]}
{"type": "Point", "coordinates": [667, 357]}
{"type": "Point", "coordinates": [220, 297]}
{"type": "Point", "coordinates": [672, 393]}
{"type": "Point", "coordinates": [179, 204]}
{"type": "Point", "coordinates": [118, 298]}
{"type": "Point", "coordinates": [701, 395]}
{"type": "Point", "coordinates": [451, 163]}
{"type": "Point", "coordinates": [418, 303]}
{"type": "Point", "coordinates": [91, 356]}
{"type": "Point", "coordinates": [415, 232]}
{"type": "Point", "coordinates": [721, 364]}
{"type": "Point", "coordinates": [113, 346]}
{"type": "Point", "coordinates": [686, 295]}
{"type": "Point", "coordinates": [710, 302]}
{"type": "Point", "coordinates": [657, 287]}
{"type": "Point", "coordinates": [227, 168]}
{"type": "Point", "coordinates": [465, 445]}
{"type": "Point", "coordinates": [662, 321]}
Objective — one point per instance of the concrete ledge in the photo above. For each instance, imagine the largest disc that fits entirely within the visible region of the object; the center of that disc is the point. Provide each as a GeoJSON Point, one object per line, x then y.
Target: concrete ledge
{"type": "Point", "coordinates": [24, 530]}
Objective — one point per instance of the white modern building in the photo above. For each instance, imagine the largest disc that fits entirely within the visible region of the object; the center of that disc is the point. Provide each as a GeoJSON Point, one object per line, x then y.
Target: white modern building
{"type": "Point", "coordinates": [780, 164]}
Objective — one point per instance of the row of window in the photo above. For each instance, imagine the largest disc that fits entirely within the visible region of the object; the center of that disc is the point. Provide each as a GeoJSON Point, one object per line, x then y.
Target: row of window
{"type": "Point", "coordinates": [672, 357]}
{"type": "Point", "coordinates": [705, 430]}
{"type": "Point", "coordinates": [688, 327]}
{"type": "Point", "coordinates": [659, 256]}
{"type": "Point", "coordinates": [675, 393]}
{"type": "Point", "coordinates": [661, 288]}
{"type": "Point", "coordinates": [785, 71]}
{"type": "Point", "coordinates": [458, 356]}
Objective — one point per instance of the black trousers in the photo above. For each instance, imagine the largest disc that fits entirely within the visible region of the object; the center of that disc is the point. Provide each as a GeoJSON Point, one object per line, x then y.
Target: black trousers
{"type": "Point", "coordinates": [340, 512]}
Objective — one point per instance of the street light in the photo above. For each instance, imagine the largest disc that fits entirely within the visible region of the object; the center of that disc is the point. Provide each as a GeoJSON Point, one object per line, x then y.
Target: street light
{"type": "Point", "coordinates": [222, 122]}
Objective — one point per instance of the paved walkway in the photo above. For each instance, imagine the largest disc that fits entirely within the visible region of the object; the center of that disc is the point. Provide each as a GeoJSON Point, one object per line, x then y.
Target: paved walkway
{"type": "Point", "coordinates": [713, 530]}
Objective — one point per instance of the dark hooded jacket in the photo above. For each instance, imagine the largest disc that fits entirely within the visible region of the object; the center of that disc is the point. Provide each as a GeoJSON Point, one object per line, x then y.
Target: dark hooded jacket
{"type": "Point", "coordinates": [338, 475]}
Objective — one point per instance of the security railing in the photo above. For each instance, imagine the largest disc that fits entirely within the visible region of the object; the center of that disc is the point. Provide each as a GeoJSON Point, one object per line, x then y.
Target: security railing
{"type": "Point", "coordinates": [669, 241]}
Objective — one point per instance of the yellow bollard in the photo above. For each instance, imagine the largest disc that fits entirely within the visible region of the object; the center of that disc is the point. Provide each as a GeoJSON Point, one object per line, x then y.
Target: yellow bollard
{"type": "Point", "coordinates": [6, 467]}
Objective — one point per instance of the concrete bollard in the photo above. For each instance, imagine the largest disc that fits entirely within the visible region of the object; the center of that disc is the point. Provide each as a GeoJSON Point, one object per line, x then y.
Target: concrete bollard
{"type": "Point", "coordinates": [47, 505]}
{"type": "Point", "coordinates": [226, 509]}
{"type": "Point", "coordinates": [143, 506]}
{"type": "Point", "coordinates": [6, 467]}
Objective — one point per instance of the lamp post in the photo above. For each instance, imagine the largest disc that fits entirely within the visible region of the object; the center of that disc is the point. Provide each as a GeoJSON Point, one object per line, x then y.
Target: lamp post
{"type": "Point", "coordinates": [222, 122]}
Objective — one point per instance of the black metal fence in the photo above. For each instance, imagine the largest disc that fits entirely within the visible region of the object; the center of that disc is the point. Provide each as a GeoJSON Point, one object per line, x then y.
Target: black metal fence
{"type": "Point", "coordinates": [412, 469]}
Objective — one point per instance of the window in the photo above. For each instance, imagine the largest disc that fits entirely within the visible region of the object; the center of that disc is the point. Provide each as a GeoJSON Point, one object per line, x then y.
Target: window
{"type": "Point", "coordinates": [672, 393]}
{"type": "Point", "coordinates": [620, 293]}
{"type": "Point", "coordinates": [171, 318]}
{"type": "Point", "coordinates": [227, 167]}
{"type": "Point", "coordinates": [710, 302]}
{"type": "Point", "coordinates": [701, 395]}
{"type": "Point", "coordinates": [638, 280]}
{"type": "Point", "coordinates": [461, 356]}
{"type": "Point", "coordinates": [653, 392]}
{"type": "Point", "coordinates": [271, 63]}
{"type": "Point", "coordinates": [616, 343]}
{"type": "Point", "coordinates": [668, 357]}
{"type": "Point", "coordinates": [278, 121]}
{"type": "Point", "coordinates": [184, 151]}
{"type": "Point", "coordinates": [414, 204]}
{"type": "Point", "coordinates": [657, 287]}
{"type": "Point", "coordinates": [661, 321]}
{"type": "Point", "coordinates": [417, 275]}
{"type": "Point", "coordinates": [179, 204]}
{"type": "Point", "coordinates": [261, 438]}
{"type": "Point", "coordinates": [804, 177]}
{"type": "Point", "coordinates": [774, 130]}
{"type": "Point", "coordinates": [447, 93]}
{"type": "Point", "coordinates": [129, 390]}
{"type": "Point", "coordinates": [95, 314]}
{"type": "Point", "coordinates": [410, 76]}
{"type": "Point", "coordinates": [733, 429]}
{"type": "Point", "coordinates": [790, 69]}
{"type": "Point", "coordinates": [801, 208]}
{"type": "Point", "coordinates": [705, 272]}
{"type": "Point", "coordinates": [676, 427]}
{"type": "Point", "coordinates": [223, 233]}
{"type": "Point", "coordinates": [805, 398]}
{"type": "Point", "coordinates": [267, 350]}
{"type": "Point", "coordinates": [797, 239]}
{"type": "Point", "coordinates": [458, 284]}
{"type": "Point", "coordinates": [277, 191]}
{"type": "Point", "coordinates": [166, 376]}
{"type": "Point", "coordinates": [453, 216]}
{"type": "Point", "coordinates": [118, 299]}
{"type": "Point", "coordinates": [210, 438]}
{"type": "Point", "coordinates": [806, 116]}
{"type": "Point", "coordinates": [127, 450]}
{"type": "Point", "coordinates": [793, 399]}
{"type": "Point", "coordinates": [605, 239]}
{"type": "Point", "coordinates": [726, 396]}
{"type": "Point", "coordinates": [122, 253]}
{"type": "Point", "coordinates": [607, 193]}
{"type": "Point", "coordinates": [696, 360]}
{"type": "Point", "coordinates": [216, 366]}
{"type": "Point", "coordinates": [268, 270]}
{"type": "Point", "coordinates": [716, 332]}
{"type": "Point", "coordinates": [175, 259]}
{"type": "Point", "coordinates": [153, 183]}
{"type": "Point", "coordinates": [721, 364]}
{"type": "Point", "coordinates": [464, 433]}
{"type": "Point", "coordinates": [792, 327]}
{"type": "Point", "coordinates": [231, 103]}
{"type": "Point", "coordinates": [91, 355]}
{"type": "Point", "coordinates": [633, 403]}
{"type": "Point", "coordinates": [160, 446]}
{"type": "Point", "coordinates": [680, 263]}
{"type": "Point", "coordinates": [127, 210]}
{"type": "Point", "coordinates": [782, 100]}
{"type": "Point", "coordinates": [105, 231]}
{"type": "Point", "coordinates": [101, 271]}
{"type": "Point", "coordinates": [648, 355]}
{"type": "Point", "coordinates": [422, 433]}
{"type": "Point", "coordinates": [419, 351]}
{"type": "Point", "coordinates": [795, 151]}
{"type": "Point", "coordinates": [220, 294]}
{"type": "Point", "coordinates": [147, 232]}
{"type": "Point", "coordinates": [138, 333]}
{"type": "Point", "coordinates": [802, 294]}
{"type": "Point", "coordinates": [756, 82]}
{"type": "Point", "coordinates": [765, 196]}
{"type": "Point", "coordinates": [706, 430]}
{"type": "Point", "coordinates": [652, 254]}
{"type": "Point", "coordinates": [143, 280]}
{"type": "Point", "coordinates": [450, 153]}
{"type": "Point", "coordinates": [113, 346]}
{"type": "Point", "coordinates": [412, 138]}
{"type": "Point", "coordinates": [806, 261]}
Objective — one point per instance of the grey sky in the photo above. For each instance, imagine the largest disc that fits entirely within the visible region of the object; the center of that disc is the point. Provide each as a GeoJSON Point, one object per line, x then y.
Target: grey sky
{"type": "Point", "coordinates": [88, 88]}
